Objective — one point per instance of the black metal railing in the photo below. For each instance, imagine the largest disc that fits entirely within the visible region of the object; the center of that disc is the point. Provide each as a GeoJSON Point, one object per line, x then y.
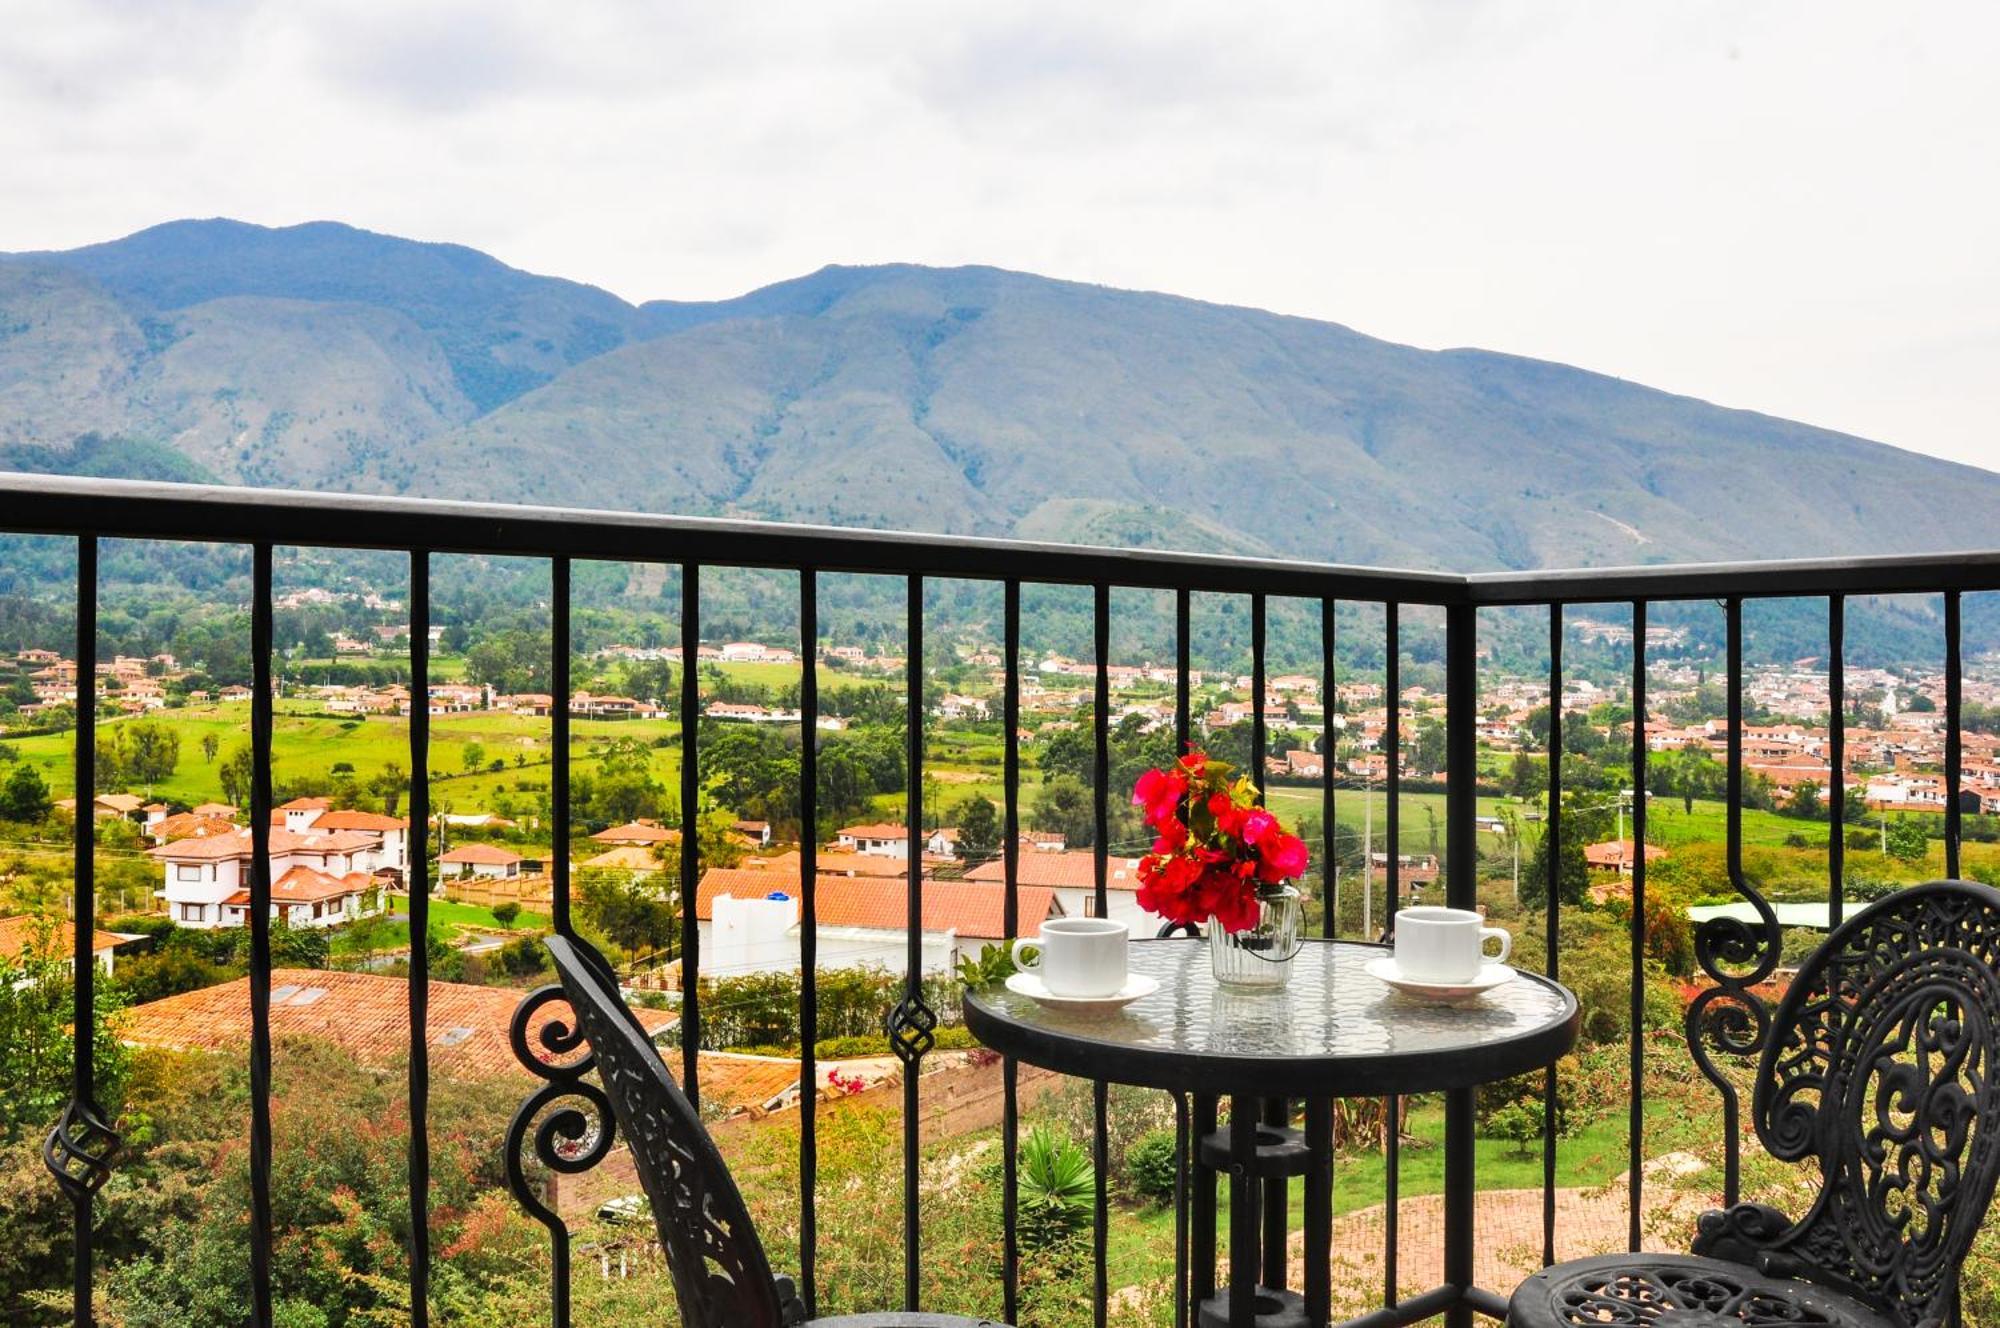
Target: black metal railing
{"type": "Point", "coordinates": [1725, 1018]}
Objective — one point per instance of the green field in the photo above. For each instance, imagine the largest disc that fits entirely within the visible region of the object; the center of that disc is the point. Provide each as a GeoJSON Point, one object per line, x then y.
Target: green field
{"type": "Point", "coordinates": [307, 743]}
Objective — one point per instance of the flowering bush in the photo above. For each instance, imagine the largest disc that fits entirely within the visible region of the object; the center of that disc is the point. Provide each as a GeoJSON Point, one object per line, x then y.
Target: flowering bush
{"type": "Point", "coordinates": [1213, 862]}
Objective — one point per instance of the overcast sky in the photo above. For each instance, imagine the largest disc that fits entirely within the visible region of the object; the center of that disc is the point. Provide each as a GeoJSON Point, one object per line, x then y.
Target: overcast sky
{"type": "Point", "coordinates": [1793, 207]}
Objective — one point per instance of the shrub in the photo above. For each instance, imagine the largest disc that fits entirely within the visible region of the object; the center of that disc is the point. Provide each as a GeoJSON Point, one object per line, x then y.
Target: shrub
{"type": "Point", "coordinates": [1150, 1166]}
{"type": "Point", "coordinates": [1058, 1189]}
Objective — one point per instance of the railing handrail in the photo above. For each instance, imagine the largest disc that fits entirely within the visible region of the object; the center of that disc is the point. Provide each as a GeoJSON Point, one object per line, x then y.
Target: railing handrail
{"type": "Point", "coordinates": [149, 509]}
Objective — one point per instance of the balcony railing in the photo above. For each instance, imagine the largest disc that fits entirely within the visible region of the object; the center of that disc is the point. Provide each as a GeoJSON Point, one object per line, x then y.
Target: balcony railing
{"type": "Point", "coordinates": [1735, 957]}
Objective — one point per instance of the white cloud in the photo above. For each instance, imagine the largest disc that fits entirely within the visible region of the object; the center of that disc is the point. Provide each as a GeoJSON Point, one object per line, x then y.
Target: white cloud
{"type": "Point", "coordinates": [1784, 206]}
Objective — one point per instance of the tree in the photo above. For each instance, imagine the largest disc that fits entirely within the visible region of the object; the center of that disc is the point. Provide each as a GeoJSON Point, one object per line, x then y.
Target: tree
{"type": "Point", "coordinates": [209, 744]}
{"type": "Point", "coordinates": [1069, 809]}
{"type": "Point", "coordinates": [237, 773]}
{"type": "Point", "coordinates": [24, 797]}
{"type": "Point", "coordinates": [471, 757]}
{"type": "Point", "coordinates": [388, 785]}
{"type": "Point", "coordinates": [1804, 802]}
{"type": "Point", "coordinates": [979, 828]}
{"type": "Point", "coordinates": [152, 751]}
{"type": "Point", "coordinates": [1525, 778]}
{"type": "Point", "coordinates": [505, 912]}
{"type": "Point", "coordinates": [1907, 841]}
{"type": "Point", "coordinates": [624, 912]}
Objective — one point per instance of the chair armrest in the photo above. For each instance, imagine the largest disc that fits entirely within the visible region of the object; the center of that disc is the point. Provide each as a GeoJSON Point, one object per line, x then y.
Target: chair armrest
{"type": "Point", "coordinates": [1739, 1234]}
{"type": "Point", "coordinates": [791, 1310]}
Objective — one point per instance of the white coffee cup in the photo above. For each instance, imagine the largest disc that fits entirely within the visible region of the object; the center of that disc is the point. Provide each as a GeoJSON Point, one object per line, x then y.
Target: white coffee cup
{"type": "Point", "coordinates": [1076, 956]}
{"type": "Point", "coordinates": [1445, 944]}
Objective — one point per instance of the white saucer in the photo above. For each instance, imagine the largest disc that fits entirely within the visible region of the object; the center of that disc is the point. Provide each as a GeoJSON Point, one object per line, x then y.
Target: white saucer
{"type": "Point", "coordinates": [1441, 993]}
{"type": "Point", "coordinates": [1137, 985]}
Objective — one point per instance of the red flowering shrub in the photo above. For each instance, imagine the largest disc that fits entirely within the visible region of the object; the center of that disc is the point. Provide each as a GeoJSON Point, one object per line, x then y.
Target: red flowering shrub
{"type": "Point", "coordinates": [1216, 847]}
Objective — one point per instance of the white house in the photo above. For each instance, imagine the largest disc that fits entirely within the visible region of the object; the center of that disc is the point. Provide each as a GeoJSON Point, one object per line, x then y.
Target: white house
{"type": "Point", "coordinates": [203, 874]}
{"type": "Point", "coordinates": [479, 860]}
{"type": "Point", "coordinates": [748, 920]}
{"type": "Point", "coordinates": [304, 897]}
{"type": "Point", "coordinates": [883, 839]}
{"type": "Point", "coordinates": [22, 935]}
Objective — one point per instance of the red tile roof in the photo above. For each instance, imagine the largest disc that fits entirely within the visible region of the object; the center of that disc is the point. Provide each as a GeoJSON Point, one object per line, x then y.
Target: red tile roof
{"type": "Point", "coordinates": [355, 820]}
{"type": "Point", "coordinates": [481, 853]}
{"type": "Point", "coordinates": [1069, 869]}
{"type": "Point", "coordinates": [636, 832]}
{"type": "Point", "coordinates": [970, 908]}
{"type": "Point", "coordinates": [876, 830]}
{"type": "Point", "coordinates": [366, 1014]}
{"type": "Point", "coordinates": [23, 931]}
{"type": "Point", "coordinates": [303, 885]}
{"type": "Point", "coordinates": [237, 845]}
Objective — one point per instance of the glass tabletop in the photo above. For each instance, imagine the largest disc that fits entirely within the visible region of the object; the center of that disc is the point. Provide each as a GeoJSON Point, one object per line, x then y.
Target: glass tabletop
{"type": "Point", "coordinates": [1335, 1030]}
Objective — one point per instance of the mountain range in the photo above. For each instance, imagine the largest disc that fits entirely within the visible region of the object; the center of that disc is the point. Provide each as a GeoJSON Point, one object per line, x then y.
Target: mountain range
{"type": "Point", "coordinates": [968, 400]}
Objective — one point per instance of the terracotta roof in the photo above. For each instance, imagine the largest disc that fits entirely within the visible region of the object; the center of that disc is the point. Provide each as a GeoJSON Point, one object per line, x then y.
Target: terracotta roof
{"type": "Point", "coordinates": [1069, 869]}
{"type": "Point", "coordinates": [876, 830]}
{"type": "Point", "coordinates": [636, 832]}
{"type": "Point", "coordinates": [481, 853]}
{"type": "Point", "coordinates": [237, 844]}
{"type": "Point", "coordinates": [191, 825]}
{"type": "Point", "coordinates": [366, 1014]}
{"type": "Point", "coordinates": [303, 885]}
{"type": "Point", "coordinates": [215, 809]}
{"type": "Point", "coordinates": [626, 857]}
{"type": "Point", "coordinates": [842, 862]}
{"type": "Point", "coordinates": [353, 820]}
{"type": "Point", "coordinates": [21, 931]}
{"type": "Point", "coordinates": [306, 805]}
{"type": "Point", "coordinates": [1617, 853]}
{"type": "Point", "coordinates": [969, 908]}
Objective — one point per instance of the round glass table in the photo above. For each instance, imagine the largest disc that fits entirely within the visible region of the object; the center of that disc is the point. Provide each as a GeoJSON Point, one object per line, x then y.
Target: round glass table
{"type": "Point", "coordinates": [1335, 1031]}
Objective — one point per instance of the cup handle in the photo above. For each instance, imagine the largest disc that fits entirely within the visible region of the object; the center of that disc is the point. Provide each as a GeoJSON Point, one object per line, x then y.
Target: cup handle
{"type": "Point", "coordinates": [1506, 944]}
{"type": "Point", "coordinates": [1027, 943]}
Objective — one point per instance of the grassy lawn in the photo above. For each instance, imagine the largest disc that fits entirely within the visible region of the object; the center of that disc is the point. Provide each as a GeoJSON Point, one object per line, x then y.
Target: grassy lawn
{"type": "Point", "coordinates": [454, 914]}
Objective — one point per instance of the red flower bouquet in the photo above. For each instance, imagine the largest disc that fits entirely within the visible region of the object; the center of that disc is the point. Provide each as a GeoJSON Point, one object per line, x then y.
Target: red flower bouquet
{"type": "Point", "coordinates": [1215, 860]}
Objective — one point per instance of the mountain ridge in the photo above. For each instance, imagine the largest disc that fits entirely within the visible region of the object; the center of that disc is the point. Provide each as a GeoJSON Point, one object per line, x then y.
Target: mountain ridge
{"type": "Point", "coordinates": [971, 399]}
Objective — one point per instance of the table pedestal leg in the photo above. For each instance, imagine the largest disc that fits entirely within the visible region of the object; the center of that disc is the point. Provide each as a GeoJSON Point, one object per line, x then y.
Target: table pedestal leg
{"type": "Point", "coordinates": [1261, 1153]}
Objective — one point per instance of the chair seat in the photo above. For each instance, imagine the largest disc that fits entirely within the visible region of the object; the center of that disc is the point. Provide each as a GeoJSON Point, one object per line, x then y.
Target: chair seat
{"type": "Point", "coordinates": [899, 1319]}
{"type": "Point", "coordinates": [1676, 1291]}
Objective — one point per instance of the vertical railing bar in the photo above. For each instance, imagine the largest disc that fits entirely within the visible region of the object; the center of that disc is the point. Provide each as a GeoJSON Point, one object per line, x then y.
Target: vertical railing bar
{"type": "Point", "coordinates": [83, 918]}
{"type": "Point", "coordinates": [1954, 745]}
{"type": "Point", "coordinates": [1010, 1070]}
{"type": "Point", "coordinates": [1552, 933]}
{"type": "Point", "coordinates": [420, 966]}
{"type": "Point", "coordinates": [1101, 861]}
{"type": "Point", "coordinates": [1733, 851]}
{"type": "Point", "coordinates": [1636, 1122]}
{"type": "Point", "coordinates": [1836, 804]}
{"type": "Point", "coordinates": [1392, 738]}
{"type": "Point", "coordinates": [1392, 741]}
{"type": "Point", "coordinates": [1329, 877]}
{"type": "Point", "coordinates": [1258, 737]}
{"type": "Point", "coordinates": [1461, 882]}
{"type": "Point", "coordinates": [559, 689]}
{"type": "Point", "coordinates": [691, 831]}
{"type": "Point", "coordinates": [914, 956]}
{"type": "Point", "coordinates": [1183, 657]}
{"type": "Point", "coordinates": [808, 938]}
{"type": "Point", "coordinates": [260, 931]}
{"type": "Point", "coordinates": [1101, 708]}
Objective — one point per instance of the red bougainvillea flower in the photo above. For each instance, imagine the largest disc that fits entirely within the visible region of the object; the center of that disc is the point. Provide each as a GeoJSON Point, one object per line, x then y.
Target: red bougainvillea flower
{"type": "Point", "coordinates": [1213, 863]}
{"type": "Point", "coordinates": [1281, 858]}
{"type": "Point", "coordinates": [1159, 793]}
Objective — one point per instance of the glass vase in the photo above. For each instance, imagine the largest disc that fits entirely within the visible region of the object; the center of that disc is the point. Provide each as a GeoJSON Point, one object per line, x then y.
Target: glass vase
{"type": "Point", "coordinates": [1258, 958]}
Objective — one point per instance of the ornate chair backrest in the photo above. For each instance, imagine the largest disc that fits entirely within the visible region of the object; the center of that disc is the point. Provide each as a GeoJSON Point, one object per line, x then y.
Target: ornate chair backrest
{"type": "Point", "coordinates": [721, 1276]}
{"type": "Point", "coordinates": [1881, 1067]}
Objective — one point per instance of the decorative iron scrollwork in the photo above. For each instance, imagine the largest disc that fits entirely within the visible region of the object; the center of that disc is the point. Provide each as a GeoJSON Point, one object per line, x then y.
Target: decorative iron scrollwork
{"type": "Point", "coordinates": [912, 1029]}
{"type": "Point", "coordinates": [568, 1117]}
{"type": "Point", "coordinates": [79, 1150]}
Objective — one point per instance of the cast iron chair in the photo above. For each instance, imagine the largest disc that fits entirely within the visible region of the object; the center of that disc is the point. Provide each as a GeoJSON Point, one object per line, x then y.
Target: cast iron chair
{"type": "Point", "coordinates": [1879, 1068]}
{"type": "Point", "coordinates": [721, 1276]}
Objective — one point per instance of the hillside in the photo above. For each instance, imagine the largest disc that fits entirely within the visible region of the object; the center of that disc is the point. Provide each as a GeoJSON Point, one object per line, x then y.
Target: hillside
{"type": "Point", "coordinates": [969, 399]}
